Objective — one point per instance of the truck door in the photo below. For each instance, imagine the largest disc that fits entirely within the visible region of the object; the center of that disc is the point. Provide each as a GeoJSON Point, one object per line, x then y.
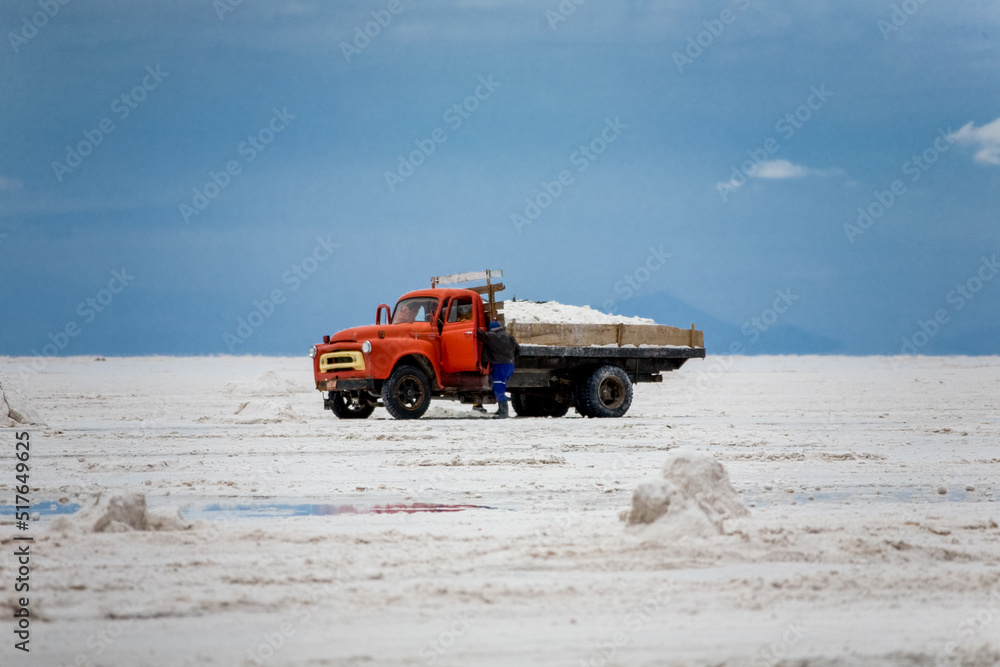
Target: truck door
{"type": "Point", "coordinates": [459, 346]}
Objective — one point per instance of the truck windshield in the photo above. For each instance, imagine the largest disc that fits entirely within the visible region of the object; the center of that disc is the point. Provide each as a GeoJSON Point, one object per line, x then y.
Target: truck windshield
{"type": "Point", "coordinates": [415, 309]}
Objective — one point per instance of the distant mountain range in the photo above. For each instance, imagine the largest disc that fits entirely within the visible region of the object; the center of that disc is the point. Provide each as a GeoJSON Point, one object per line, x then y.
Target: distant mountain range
{"type": "Point", "coordinates": [973, 342]}
{"type": "Point", "coordinates": [721, 335]}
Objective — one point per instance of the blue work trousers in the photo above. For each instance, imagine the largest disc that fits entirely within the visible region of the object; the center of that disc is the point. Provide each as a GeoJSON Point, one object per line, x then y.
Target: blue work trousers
{"type": "Point", "coordinates": [500, 373]}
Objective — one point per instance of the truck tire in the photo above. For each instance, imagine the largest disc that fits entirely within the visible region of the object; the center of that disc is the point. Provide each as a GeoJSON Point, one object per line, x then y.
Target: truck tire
{"type": "Point", "coordinates": [607, 392]}
{"type": "Point", "coordinates": [533, 405]}
{"type": "Point", "coordinates": [579, 389]}
{"type": "Point", "coordinates": [346, 407]}
{"type": "Point", "coordinates": [520, 406]}
{"type": "Point", "coordinates": [407, 393]}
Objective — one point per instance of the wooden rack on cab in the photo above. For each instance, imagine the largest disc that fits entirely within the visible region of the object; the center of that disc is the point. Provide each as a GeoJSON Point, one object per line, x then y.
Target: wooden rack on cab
{"type": "Point", "coordinates": [490, 288]}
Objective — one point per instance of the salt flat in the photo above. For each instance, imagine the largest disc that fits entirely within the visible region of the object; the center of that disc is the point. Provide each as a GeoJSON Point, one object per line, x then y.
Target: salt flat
{"type": "Point", "coordinates": [872, 537]}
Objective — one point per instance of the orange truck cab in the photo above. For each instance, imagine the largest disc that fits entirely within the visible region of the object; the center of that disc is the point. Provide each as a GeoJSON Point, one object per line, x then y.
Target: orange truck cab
{"type": "Point", "coordinates": [426, 347]}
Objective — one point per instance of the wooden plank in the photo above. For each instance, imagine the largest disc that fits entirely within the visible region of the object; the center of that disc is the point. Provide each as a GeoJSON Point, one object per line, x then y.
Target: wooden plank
{"type": "Point", "coordinates": [585, 335]}
{"type": "Point", "coordinates": [483, 289]}
{"type": "Point", "coordinates": [645, 334]}
{"type": "Point", "coordinates": [466, 277]}
{"type": "Point", "coordinates": [581, 335]}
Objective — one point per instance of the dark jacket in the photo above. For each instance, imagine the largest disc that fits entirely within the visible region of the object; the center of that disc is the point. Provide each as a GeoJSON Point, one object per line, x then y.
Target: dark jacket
{"type": "Point", "coordinates": [499, 347]}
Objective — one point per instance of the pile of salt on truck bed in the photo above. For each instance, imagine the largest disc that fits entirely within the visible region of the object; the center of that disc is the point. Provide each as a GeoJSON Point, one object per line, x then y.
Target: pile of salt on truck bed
{"type": "Point", "coordinates": [428, 348]}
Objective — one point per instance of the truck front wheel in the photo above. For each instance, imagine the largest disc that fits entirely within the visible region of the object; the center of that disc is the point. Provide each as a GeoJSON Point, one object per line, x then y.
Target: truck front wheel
{"type": "Point", "coordinates": [607, 392]}
{"type": "Point", "coordinates": [407, 393]}
{"type": "Point", "coordinates": [346, 406]}
{"type": "Point", "coordinates": [534, 405]}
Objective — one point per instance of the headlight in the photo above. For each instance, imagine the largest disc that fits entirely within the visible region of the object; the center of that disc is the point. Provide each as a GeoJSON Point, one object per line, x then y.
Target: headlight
{"type": "Point", "coordinates": [312, 352]}
{"type": "Point", "coordinates": [366, 346]}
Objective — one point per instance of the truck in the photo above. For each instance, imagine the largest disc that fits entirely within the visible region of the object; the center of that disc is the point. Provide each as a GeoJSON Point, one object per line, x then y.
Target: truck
{"type": "Point", "coordinates": [426, 348]}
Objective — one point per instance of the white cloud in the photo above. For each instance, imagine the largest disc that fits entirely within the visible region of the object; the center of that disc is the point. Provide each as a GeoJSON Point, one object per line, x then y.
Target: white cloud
{"type": "Point", "coordinates": [778, 169]}
{"type": "Point", "coordinates": [774, 170]}
{"type": "Point", "coordinates": [986, 139]}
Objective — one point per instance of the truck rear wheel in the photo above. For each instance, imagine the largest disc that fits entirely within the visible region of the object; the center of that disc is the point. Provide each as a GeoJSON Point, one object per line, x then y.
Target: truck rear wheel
{"type": "Point", "coordinates": [533, 405]}
{"type": "Point", "coordinates": [407, 393]}
{"type": "Point", "coordinates": [607, 392]}
{"type": "Point", "coordinates": [346, 406]}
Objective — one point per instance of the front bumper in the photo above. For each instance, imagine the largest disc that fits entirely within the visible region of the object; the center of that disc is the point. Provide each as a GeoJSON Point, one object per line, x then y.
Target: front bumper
{"type": "Point", "coordinates": [350, 384]}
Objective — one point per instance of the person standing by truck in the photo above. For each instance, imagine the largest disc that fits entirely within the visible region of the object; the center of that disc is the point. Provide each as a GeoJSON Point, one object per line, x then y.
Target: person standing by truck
{"type": "Point", "coordinates": [499, 351]}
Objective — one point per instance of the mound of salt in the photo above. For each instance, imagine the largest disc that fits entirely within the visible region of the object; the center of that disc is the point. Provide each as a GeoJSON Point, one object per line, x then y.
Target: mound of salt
{"type": "Point", "coordinates": [533, 312]}
{"type": "Point", "coordinates": [694, 496]}
{"type": "Point", "coordinates": [119, 513]}
{"type": "Point", "coordinates": [14, 407]}
{"type": "Point", "coordinates": [265, 411]}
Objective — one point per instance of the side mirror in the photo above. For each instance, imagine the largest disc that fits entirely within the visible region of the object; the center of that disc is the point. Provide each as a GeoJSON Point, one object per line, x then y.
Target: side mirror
{"type": "Point", "coordinates": [378, 314]}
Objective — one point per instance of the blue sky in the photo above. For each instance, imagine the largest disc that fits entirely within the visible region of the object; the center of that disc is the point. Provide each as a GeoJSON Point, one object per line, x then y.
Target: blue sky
{"type": "Point", "coordinates": [685, 161]}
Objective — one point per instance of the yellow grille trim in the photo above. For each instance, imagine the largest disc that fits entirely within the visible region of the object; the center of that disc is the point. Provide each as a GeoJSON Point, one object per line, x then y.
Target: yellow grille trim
{"type": "Point", "coordinates": [349, 360]}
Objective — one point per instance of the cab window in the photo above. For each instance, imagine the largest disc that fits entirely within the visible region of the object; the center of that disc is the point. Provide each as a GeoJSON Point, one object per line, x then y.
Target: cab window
{"type": "Point", "coordinates": [415, 309]}
{"type": "Point", "coordinates": [460, 310]}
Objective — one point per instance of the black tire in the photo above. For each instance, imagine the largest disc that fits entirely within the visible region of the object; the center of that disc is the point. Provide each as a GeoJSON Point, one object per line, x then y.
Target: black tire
{"type": "Point", "coordinates": [552, 408]}
{"type": "Point", "coordinates": [607, 392]}
{"type": "Point", "coordinates": [534, 405]}
{"type": "Point", "coordinates": [407, 393]}
{"type": "Point", "coordinates": [345, 406]}
{"type": "Point", "coordinates": [579, 402]}
{"type": "Point", "coordinates": [521, 407]}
